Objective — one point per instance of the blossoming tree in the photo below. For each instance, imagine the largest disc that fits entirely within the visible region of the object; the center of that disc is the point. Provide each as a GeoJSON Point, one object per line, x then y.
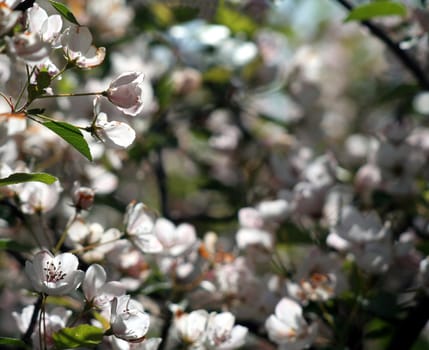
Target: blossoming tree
{"type": "Point", "coordinates": [185, 174]}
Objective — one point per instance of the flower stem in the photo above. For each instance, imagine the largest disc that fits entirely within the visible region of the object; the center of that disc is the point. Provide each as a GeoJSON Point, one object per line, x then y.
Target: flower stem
{"type": "Point", "coordinates": [71, 94]}
{"type": "Point", "coordinates": [64, 235]}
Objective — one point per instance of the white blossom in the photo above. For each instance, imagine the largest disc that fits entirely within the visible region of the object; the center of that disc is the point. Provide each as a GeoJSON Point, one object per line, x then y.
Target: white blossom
{"type": "Point", "coordinates": [54, 275]}
{"type": "Point", "coordinates": [128, 319]}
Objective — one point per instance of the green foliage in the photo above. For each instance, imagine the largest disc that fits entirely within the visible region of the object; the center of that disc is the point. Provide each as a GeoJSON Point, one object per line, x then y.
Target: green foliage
{"type": "Point", "coordinates": [64, 11]}
{"type": "Point", "coordinates": [376, 9]}
{"type": "Point", "coordinates": [9, 244]}
{"type": "Point", "coordinates": [71, 135]}
{"type": "Point", "coordinates": [13, 342]}
{"type": "Point", "coordinates": [27, 177]}
{"type": "Point", "coordinates": [76, 337]}
{"type": "Point", "coordinates": [236, 21]}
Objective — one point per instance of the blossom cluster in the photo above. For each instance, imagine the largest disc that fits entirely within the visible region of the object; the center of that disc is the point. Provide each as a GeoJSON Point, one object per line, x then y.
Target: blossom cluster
{"type": "Point", "coordinates": [242, 176]}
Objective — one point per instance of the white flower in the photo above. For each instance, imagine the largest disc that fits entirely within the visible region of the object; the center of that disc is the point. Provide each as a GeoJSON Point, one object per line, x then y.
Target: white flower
{"type": "Point", "coordinates": [54, 275]}
{"type": "Point", "coordinates": [126, 93]}
{"type": "Point", "coordinates": [48, 27]}
{"type": "Point", "coordinates": [139, 224]}
{"type": "Point", "coordinates": [221, 332]}
{"type": "Point", "coordinates": [96, 290]}
{"type": "Point", "coordinates": [288, 327]}
{"type": "Point", "coordinates": [191, 327]}
{"type": "Point", "coordinates": [39, 197]}
{"type": "Point", "coordinates": [29, 47]}
{"type": "Point", "coordinates": [128, 320]}
{"type": "Point", "coordinates": [115, 134]}
{"type": "Point", "coordinates": [53, 321]}
{"type": "Point", "coordinates": [175, 240]}
{"type": "Point", "coordinates": [148, 344]}
{"type": "Point", "coordinates": [77, 45]}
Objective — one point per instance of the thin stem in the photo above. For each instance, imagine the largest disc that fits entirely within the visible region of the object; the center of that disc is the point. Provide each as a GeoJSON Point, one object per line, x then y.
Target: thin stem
{"type": "Point", "coordinates": [161, 178]}
{"type": "Point", "coordinates": [24, 88]}
{"type": "Point", "coordinates": [408, 61]}
{"type": "Point", "coordinates": [91, 246]}
{"type": "Point", "coordinates": [64, 235]}
{"type": "Point", "coordinates": [72, 94]}
{"type": "Point", "coordinates": [45, 229]}
{"type": "Point", "coordinates": [27, 336]}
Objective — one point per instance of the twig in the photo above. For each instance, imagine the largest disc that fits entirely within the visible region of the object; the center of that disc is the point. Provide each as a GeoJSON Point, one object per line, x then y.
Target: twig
{"type": "Point", "coordinates": [27, 336]}
{"type": "Point", "coordinates": [161, 178]}
{"type": "Point", "coordinates": [408, 61]}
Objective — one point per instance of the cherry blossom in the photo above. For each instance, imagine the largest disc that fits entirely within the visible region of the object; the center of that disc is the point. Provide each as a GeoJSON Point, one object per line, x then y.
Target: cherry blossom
{"type": "Point", "coordinates": [139, 225]}
{"type": "Point", "coordinates": [288, 327]}
{"type": "Point", "coordinates": [222, 333]}
{"type": "Point", "coordinates": [54, 275]}
{"type": "Point", "coordinates": [77, 45]}
{"type": "Point", "coordinates": [128, 319]}
{"type": "Point", "coordinates": [126, 92]}
{"type": "Point", "coordinates": [97, 291]}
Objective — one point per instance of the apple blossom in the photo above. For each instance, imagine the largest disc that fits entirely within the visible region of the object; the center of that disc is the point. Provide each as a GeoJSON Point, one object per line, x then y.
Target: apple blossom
{"type": "Point", "coordinates": [288, 327]}
{"type": "Point", "coordinates": [191, 326]}
{"type": "Point", "coordinates": [97, 291]}
{"type": "Point", "coordinates": [38, 197]}
{"type": "Point", "coordinates": [221, 333]}
{"type": "Point", "coordinates": [77, 45]}
{"type": "Point", "coordinates": [139, 225]}
{"type": "Point", "coordinates": [128, 319]}
{"type": "Point", "coordinates": [126, 93]}
{"type": "Point", "coordinates": [48, 27]}
{"type": "Point", "coordinates": [53, 321]}
{"type": "Point", "coordinates": [175, 240]}
{"type": "Point", "coordinates": [29, 47]}
{"type": "Point", "coordinates": [54, 275]}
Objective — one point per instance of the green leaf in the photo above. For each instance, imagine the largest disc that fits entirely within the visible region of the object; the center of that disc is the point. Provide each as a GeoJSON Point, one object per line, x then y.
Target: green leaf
{"type": "Point", "coordinates": [236, 21]}
{"type": "Point", "coordinates": [64, 11]}
{"type": "Point", "coordinates": [71, 134]}
{"type": "Point", "coordinates": [27, 177]}
{"type": "Point", "coordinates": [376, 9]}
{"type": "Point", "coordinates": [76, 337]}
{"type": "Point", "coordinates": [9, 244]}
{"type": "Point", "coordinates": [43, 80]}
{"type": "Point", "coordinates": [13, 342]}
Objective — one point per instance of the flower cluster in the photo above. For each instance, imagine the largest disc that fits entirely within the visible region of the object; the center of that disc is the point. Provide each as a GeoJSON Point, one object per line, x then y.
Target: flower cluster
{"type": "Point", "coordinates": [246, 174]}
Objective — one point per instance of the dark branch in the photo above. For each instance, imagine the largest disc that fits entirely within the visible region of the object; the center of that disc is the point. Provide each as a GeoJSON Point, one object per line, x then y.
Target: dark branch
{"type": "Point", "coordinates": [409, 62]}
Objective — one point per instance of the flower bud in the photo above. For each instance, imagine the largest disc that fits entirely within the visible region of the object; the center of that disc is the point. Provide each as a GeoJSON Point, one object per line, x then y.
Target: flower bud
{"type": "Point", "coordinates": [126, 93]}
{"type": "Point", "coordinates": [83, 197]}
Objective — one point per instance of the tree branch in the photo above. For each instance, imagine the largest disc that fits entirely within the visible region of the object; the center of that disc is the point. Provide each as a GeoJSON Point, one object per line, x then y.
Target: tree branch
{"type": "Point", "coordinates": [408, 61]}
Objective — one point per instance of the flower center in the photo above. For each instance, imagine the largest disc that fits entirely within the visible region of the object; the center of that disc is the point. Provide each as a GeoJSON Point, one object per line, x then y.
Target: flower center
{"type": "Point", "coordinates": [53, 273]}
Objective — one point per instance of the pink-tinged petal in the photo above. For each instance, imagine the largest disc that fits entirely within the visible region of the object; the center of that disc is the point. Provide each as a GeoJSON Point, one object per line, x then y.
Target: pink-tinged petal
{"type": "Point", "coordinates": [127, 78]}
{"type": "Point", "coordinates": [186, 233]}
